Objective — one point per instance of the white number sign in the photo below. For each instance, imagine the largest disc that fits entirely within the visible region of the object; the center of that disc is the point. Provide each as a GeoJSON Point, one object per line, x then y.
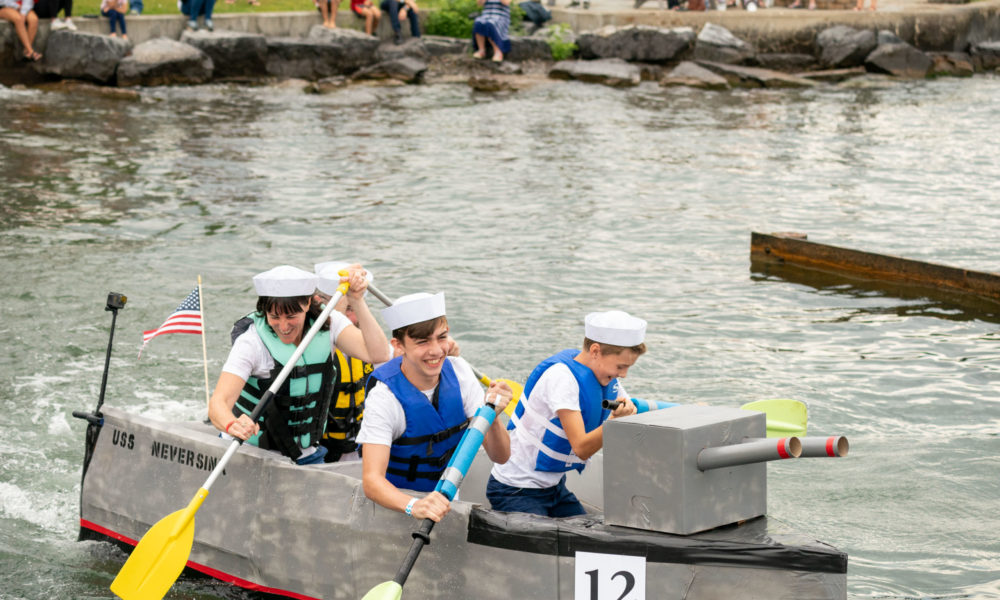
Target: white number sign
{"type": "Point", "coordinates": [609, 577]}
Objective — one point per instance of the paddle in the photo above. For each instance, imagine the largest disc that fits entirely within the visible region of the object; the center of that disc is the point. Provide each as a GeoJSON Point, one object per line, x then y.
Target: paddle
{"type": "Point", "coordinates": [517, 388]}
{"type": "Point", "coordinates": [451, 479]}
{"type": "Point", "coordinates": [785, 418]}
{"type": "Point", "coordinates": [160, 556]}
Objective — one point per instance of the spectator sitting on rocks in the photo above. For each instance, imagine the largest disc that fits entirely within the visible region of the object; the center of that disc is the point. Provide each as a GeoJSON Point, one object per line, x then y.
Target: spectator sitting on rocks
{"type": "Point", "coordinates": [369, 12]}
{"type": "Point", "coordinates": [398, 13]}
{"type": "Point", "coordinates": [49, 9]}
{"type": "Point", "coordinates": [328, 10]}
{"type": "Point", "coordinates": [196, 8]}
{"type": "Point", "coordinates": [25, 24]}
{"type": "Point", "coordinates": [492, 24]}
{"type": "Point", "coordinates": [115, 11]}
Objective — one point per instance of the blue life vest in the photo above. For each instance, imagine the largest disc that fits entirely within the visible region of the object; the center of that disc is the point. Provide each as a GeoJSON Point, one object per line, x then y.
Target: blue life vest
{"type": "Point", "coordinates": [554, 452]}
{"type": "Point", "coordinates": [417, 459]}
{"type": "Point", "coordinates": [296, 416]}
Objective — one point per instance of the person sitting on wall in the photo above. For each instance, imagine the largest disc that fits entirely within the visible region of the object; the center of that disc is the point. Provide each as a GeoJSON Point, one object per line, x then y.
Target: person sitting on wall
{"type": "Point", "coordinates": [401, 11]}
{"type": "Point", "coordinates": [366, 10]}
{"type": "Point", "coordinates": [25, 23]}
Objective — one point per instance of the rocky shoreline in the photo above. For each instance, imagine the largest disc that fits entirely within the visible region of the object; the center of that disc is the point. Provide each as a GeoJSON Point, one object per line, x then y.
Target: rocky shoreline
{"type": "Point", "coordinates": [621, 56]}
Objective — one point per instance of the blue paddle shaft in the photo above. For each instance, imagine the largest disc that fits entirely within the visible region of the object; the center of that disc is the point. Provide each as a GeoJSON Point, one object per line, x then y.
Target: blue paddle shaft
{"type": "Point", "coordinates": [465, 452]}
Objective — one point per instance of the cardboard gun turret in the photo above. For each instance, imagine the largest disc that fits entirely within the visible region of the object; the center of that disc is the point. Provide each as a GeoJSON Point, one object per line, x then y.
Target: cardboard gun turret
{"type": "Point", "coordinates": [686, 469]}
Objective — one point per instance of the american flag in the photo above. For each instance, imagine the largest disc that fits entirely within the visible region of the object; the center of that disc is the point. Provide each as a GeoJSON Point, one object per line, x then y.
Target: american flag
{"type": "Point", "coordinates": [185, 319]}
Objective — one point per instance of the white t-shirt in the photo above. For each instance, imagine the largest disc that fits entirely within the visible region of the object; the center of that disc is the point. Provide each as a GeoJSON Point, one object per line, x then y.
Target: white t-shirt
{"type": "Point", "coordinates": [555, 390]}
{"type": "Point", "coordinates": [249, 355]}
{"type": "Point", "coordinates": [385, 420]}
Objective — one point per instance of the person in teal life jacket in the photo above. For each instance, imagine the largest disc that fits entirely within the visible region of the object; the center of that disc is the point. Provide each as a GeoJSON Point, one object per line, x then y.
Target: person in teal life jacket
{"type": "Point", "coordinates": [558, 423]}
{"type": "Point", "coordinates": [417, 407]}
{"type": "Point", "coordinates": [294, 421]}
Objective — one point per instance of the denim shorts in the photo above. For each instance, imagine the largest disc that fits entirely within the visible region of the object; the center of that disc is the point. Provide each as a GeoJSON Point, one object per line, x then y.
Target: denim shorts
{"type": "Point", "coordinates": [555, 501]}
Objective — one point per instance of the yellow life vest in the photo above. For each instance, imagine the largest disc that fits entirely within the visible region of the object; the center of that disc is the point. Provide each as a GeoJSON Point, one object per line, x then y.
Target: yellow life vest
{"type": "Point", "coordinates": [348, 405]}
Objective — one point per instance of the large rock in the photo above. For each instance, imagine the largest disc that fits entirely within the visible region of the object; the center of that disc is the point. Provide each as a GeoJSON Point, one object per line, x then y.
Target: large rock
{"type": "Point", "coordinates": [533, 47]}
{"type": "Point", "coordinates": [899, 60]}
{"type": "Point", "coordinates": [162, 61]}
{"type": "Point", "coordinates": [609, 71]}
{"type": "Point", "coordinates": [325, 53]}
{"type": "Point", "coordinates": [437, 45]}
{"type": "Point", "coordinates": [412, 48]}
{"type": "Point", "coordinates": [690, 74]}
{"type": "Point", "coordinates": [75, 55]}
{"type": "Point", "coordinates": [718, 44]}
{"type": "Point", "coordinates": [637, 43]}
{"type": "Point", "coordinates": [405, 68]}
{"type": "Point", "coordinates": [786, 62]}
{"type": "Point", "coordinates": [951, 64]}
{"type": "Point", "coordinates": [755, 76]}
{"type": "Point", "coordinates": [986, 55]}
{"type": "Point", "coordinates": [233, 54]}
{"type": "Point", "coordinates": [841, 46]}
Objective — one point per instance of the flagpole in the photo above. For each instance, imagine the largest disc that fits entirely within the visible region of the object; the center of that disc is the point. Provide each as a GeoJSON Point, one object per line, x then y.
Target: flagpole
{"type": "Point", "coordinates": [204, 347]}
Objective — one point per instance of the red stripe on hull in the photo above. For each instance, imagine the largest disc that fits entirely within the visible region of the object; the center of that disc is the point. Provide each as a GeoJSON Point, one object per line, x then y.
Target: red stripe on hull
{"type": "Point", "coordinates": [214, 573]}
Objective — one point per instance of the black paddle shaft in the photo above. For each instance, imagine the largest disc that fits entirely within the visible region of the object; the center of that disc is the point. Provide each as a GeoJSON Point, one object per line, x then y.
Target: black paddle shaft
{"type": "Point", "coordinates": [421, 538]}
{"type": "Point", "coordinates": [610, 404]}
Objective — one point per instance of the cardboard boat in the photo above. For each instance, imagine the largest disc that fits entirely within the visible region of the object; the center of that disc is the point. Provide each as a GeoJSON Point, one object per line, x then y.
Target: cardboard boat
{"type": "Point", "coordinates": [658, 525]}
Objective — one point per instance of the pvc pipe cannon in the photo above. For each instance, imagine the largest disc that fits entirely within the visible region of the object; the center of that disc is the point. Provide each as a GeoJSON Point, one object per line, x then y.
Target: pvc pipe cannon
{"type": "Point", "coordinates": [818, 446]}
{"type": "Point", "coordinates": [750, 450]}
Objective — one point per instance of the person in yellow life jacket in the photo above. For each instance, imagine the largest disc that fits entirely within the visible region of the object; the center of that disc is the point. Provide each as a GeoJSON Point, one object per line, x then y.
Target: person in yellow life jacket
{"type": "Point", "coordinates": [348, 403]}
{"type": "Point", "coordinates": [294, 422]}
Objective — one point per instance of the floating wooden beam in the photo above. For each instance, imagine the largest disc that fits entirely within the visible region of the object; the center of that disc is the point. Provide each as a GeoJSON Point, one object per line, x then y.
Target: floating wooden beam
{"type": "Point", "coordinates": [795, 249]}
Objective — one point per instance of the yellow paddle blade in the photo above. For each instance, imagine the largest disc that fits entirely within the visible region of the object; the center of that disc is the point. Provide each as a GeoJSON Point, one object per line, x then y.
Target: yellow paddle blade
{"type": "Point", "coordinates": [784, 417]}
{"type": "Point", "coordinates": [518, 390]}
{"type": "Point", "coordinates": [160, 556]}
{"type": "Point", "coordinates": [389, 590]}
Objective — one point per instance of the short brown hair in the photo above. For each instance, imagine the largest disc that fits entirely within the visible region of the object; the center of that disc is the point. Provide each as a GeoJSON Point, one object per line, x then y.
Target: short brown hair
{"type": "Point", "coordinates": [612, 349]}
{"type": "Point", "coordinates": [419, 331]}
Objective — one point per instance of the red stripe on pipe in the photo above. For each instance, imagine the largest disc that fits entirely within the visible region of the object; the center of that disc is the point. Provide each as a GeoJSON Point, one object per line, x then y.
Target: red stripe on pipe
{"type": "Point", "coordinates": [829, 446]}
{"type": "Point", "coordinates": [781, 449]}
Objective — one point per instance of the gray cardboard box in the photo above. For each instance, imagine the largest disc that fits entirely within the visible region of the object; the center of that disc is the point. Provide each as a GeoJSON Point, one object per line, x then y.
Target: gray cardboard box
{"type": "Point", "coordinates": [651, 477]}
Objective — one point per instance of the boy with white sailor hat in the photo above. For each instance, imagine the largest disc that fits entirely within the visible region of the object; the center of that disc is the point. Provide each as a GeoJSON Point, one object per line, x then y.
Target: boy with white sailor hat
{"type": "Point", "coordinates": [558, 423]}
{"type": "Point", "coordinates": [265, 339]}
{"type": "Point", "coordinates": [417, 408]}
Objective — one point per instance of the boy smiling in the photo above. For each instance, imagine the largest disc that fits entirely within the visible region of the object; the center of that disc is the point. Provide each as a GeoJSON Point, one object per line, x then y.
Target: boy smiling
{"type": "Point", "coordinates": [417, 407]}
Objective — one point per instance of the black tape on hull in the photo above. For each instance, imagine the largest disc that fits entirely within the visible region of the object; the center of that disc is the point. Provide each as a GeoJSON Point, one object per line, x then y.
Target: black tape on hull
{"type": "Point", "coordinates": [749, 545]}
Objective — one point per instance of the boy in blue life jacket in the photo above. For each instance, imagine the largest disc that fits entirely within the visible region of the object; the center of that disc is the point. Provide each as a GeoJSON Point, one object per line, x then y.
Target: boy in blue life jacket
{"type": "Point", "coordinates": [558, 423]}
{"type": "Point", "coordinates": [417, 407]}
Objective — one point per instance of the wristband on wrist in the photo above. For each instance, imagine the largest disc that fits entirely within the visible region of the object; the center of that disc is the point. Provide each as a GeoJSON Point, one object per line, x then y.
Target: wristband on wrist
{"type": "Point", "coordinates": [230, 425]}
{"type": "Point", "coordinates": [409, 506]}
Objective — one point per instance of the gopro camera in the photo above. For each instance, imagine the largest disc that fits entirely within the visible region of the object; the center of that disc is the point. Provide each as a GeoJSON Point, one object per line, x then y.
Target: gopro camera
{"type": "Point", "coordinates": [115, 301]}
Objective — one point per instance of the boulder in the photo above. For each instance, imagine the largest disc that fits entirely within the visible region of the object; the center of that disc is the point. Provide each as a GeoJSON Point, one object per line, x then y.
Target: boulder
{"type": "Point", "coordinates": [899, 60]}
{"type": "Point", "coordinates": [405, 68]}
{"type": "Point", "coordinates": [787, 63]}
{"type": "Point", "coordinates": [533, 47]}
{"type": "Point", "coordinates": [412, 48]}
{"type": "Point", "coordinates": [986, 55]}
{"type": "Point", "coordinates": [76, 55]}
{"type": "Point", "coordinates": [437, 45]}
{"type": "Point", "coordinates": [233, 54]}
{"type": "Point", "coordinates": [692, 75]}
{"type": "Point", "coordinates": [614, 72]}
{"type": "Point", "coordinates": [162, 61]}
{"type": "Point", "coordinates": [951, 64]}
{"type": "Point", "coordinates": [833, 75]}
{"type": "Point", "coordinates": [718, 44]}
{"type": "Point", "coordinates": [325, 53]}
{"type": "Point", "coordinates": [841, 46]}
{"type": "Point", "coordinates": [885, 36]}
{"type": "Point", "coordinates": [637, 43]}
{"type": "Point", "coordinates": [755, 76]}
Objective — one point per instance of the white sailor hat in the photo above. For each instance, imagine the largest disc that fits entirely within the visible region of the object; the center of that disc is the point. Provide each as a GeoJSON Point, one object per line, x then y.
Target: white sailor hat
{"type": "Point", "coordinates": [615, 327]}
{"type": "Point", "coordinates": [285, 282]}
{"type": "Point", "coordinates": [329, 275]}
{"type": "Point", "coordinates": [413, 308]}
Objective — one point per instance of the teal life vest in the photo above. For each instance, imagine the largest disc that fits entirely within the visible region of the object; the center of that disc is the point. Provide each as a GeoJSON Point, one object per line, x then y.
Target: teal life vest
{"type": "Point", "coordinates": [554, 452]}
{"type": "Point", "coordinates": [296, 416]}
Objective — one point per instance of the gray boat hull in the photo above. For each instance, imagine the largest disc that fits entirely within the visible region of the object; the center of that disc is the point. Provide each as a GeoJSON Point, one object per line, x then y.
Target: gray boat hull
{"type": "Point", "coordinates": [310, 532]}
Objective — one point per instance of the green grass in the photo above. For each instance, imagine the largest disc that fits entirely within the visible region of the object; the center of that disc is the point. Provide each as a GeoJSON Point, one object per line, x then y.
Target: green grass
{"type": "Point", "coordinates": [169, 7]}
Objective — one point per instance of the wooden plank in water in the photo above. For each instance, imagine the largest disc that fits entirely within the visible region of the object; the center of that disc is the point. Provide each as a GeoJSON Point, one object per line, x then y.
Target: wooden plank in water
{"type": "Point", "coordinates": [795, 249]}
